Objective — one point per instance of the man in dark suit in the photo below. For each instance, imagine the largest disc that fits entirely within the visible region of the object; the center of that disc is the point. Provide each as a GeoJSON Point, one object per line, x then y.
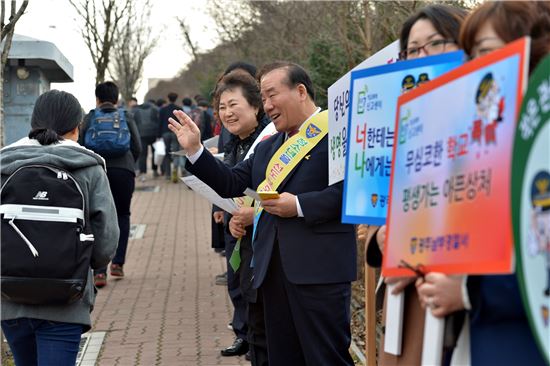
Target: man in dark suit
{"type": "Point", "coordinates": [304, 258]}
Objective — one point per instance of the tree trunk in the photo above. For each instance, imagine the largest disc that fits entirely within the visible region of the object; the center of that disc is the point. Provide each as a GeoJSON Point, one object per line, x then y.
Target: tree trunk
{"type": "Point", "coordinates": [1, 107]}
{"type": "Point", "coordinates": [7, 33]}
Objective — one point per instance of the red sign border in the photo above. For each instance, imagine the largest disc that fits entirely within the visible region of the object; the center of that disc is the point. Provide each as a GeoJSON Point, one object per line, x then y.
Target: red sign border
{"type": "Point", "coordinates": [520, 47]}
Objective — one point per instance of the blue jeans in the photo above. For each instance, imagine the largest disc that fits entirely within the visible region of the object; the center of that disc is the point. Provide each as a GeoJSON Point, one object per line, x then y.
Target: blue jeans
{"type": "Point", "coordinates": [42, 342]}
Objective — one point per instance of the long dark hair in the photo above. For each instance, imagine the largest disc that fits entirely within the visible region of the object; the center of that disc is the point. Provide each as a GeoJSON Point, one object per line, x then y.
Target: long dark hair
{"type": "Point", "coordinates": [55, 113]}
{"type": "Point", "coordinates": [446, 20]}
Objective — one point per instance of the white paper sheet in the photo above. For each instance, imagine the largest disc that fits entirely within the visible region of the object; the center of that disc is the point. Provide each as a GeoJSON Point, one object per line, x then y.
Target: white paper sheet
{"type": "Point", "coordinates": [201, 188]}
{"type": "Point", "coordinates": [252, 194]}
{"type": "Point", "coordinates": [211, 142]}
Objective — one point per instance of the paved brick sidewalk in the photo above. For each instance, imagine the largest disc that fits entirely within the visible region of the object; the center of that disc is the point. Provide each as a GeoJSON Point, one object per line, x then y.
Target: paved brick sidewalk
{"type": "Point", "coordinates": [167, 310]}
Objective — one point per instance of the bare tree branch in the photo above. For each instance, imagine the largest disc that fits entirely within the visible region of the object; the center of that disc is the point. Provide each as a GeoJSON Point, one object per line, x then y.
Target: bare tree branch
{"type": "Point", "coordinates": [13, 18]}
{"type": "Point", "coordinates": [187, 40]}
{"type": "Point", "coordinates": [7, 31]}
{"type": "Point", "coordinates": [133, 43]}
{"type": "Point", "coordinates": [99, 29]}
{"type": "Point", "coordinates": [2, 14]}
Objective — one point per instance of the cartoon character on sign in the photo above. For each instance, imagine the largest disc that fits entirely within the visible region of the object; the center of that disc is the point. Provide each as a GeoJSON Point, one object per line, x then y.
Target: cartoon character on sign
{"type": "Point", "coordinates": [489, 110]}
{"type": "Point", "coordinates": [422, 78]}
{"type": "Point", "coordinates": [539, 234]}
{"type": "Point", "coordinates": [408, 83]}
{"type": "Point", "coordinates": [374, 199]}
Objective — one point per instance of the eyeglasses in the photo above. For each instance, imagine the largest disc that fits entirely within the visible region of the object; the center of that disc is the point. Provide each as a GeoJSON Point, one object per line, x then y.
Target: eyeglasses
{"type": "Point", "coordinates": [430, 48]}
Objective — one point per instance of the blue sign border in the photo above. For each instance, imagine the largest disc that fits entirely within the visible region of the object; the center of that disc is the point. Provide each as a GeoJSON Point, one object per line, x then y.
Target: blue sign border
{"type": "Point", "coordinates": [450, 57]}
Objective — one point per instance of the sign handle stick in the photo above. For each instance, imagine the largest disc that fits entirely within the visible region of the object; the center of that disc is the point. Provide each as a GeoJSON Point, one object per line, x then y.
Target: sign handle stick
{"type": "Point", "coordinates": [432, 345]}
{"type": "Point", "coordinates": [395, 305]}
{"type": "Point", "coordinates": [370, 318]}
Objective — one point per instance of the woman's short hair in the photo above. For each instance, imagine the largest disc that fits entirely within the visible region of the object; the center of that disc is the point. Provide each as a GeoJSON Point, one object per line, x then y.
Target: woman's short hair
{"type": "Point", "coordinates": [446, 20]}
{"type": "Point", "coordinates": [248, 85]}
{"type": "Point", "coordinates": [511, 20]}
{"type": "Point", "coordinates": [55, 113]}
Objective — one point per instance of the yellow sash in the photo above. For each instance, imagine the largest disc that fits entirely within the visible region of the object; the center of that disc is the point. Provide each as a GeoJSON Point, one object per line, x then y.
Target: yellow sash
{"type": "Point", "coordinates": [287, 157]}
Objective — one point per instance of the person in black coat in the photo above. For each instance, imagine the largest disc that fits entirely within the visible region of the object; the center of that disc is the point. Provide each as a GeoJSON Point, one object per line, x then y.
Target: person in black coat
{"type": "Point", "coordinates": [239, 106]}
{"type": "Point", "coordinates": [169, 141]}
{"type": "Point", "coordinates": [146, 116]}
{"type": "Point", "coordinates": [304, 257]}
{"type": "Point", "coordinates": [121, 175]}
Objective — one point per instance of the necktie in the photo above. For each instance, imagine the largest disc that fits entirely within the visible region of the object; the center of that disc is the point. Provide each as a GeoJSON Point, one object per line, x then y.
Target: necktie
{"type": "Point", "coordinates": [235, 259]}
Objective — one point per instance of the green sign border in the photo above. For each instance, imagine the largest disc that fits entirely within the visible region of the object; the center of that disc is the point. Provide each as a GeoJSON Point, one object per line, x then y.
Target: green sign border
{"type": "Point", "coordinates": [521, 152]}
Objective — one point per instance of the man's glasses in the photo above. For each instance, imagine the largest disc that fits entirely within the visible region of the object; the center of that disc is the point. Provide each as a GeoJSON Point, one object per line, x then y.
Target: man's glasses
{"type": "Point", "coordinates": [433, 47]}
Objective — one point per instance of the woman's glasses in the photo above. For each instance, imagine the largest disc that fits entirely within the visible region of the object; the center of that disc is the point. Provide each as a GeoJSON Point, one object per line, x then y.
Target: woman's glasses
{"type": "Point", "coordinates": [430, 48]}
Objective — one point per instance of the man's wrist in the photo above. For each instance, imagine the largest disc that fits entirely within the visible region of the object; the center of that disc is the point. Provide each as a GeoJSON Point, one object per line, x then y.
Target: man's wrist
{"type": "Point", "coordinates": [193, 157]}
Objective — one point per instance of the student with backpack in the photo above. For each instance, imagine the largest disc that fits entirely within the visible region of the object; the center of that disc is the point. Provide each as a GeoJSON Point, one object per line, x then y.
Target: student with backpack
{"type": "Point", "coordinates": [112, 133]}
{"type": "Point", "coordinates": [169, 140]}
{"type": "Point", "coordinates": [147, 120]}
{"type": "Point", "coordinates": [57, 222]}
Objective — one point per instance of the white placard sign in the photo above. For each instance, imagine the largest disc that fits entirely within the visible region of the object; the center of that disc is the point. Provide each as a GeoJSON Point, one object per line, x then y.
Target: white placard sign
{"type": "Point", "coordinates": [338, 106]}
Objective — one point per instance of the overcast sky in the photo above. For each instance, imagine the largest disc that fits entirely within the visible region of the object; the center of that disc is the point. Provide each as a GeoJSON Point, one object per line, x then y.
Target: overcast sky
{"type": "Point", "coordinates": [56, 21]}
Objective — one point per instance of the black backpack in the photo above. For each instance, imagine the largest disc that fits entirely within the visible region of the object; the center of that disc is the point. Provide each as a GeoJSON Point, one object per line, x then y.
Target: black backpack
{"type": "Point", "coordinates": [147, 121]}
{"type": "Point", "coordinates": [46, 250]}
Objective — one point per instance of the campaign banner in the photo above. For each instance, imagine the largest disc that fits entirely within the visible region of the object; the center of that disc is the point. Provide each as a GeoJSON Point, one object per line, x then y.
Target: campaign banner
{"type": "Point", "coordinates": [338, 107]}
{"type": "Point", "coordinates": [371, 121]}
{"type": "Point", "coordinates": [450, 185]}
{"type": "Point", "coordinates": [531, 203]}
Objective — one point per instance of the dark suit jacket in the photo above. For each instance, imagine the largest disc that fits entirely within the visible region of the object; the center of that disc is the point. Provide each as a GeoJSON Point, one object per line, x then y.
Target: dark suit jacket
{"type": "Point", "coordinates": [316, 248]}
{"type": "Point", "coordinates": [499, 329]}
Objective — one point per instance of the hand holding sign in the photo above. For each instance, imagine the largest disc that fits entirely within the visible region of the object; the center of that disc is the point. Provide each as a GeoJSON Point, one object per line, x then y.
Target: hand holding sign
{"type": "Point", "coordinates": [441, 293]}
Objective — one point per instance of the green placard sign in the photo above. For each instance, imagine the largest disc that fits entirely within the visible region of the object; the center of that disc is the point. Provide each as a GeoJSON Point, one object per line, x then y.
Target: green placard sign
{"type": "Point", "coordinates": [531, 203]}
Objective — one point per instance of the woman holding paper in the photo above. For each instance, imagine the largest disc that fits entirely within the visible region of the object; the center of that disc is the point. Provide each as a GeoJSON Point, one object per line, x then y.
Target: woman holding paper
{"type": "Point", "coordinates": [500, 333]}
{"type": "Point", "coordinates": [431, 31]}
{"type": "Point", "coordinates": [239, 106]}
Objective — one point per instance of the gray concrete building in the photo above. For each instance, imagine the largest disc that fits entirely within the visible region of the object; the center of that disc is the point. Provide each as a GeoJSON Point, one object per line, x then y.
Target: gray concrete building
{"type": "Point", "coordinates": [32, 66]}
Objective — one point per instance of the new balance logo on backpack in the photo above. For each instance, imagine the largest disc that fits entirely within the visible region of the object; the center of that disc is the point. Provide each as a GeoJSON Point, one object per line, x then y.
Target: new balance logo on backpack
{"type": "Point", "coordinates": [108, 134]}
{"type": "Point", "coordinates": [46, 243]}
{"type": "Point", "coordinates": [41, 195]}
